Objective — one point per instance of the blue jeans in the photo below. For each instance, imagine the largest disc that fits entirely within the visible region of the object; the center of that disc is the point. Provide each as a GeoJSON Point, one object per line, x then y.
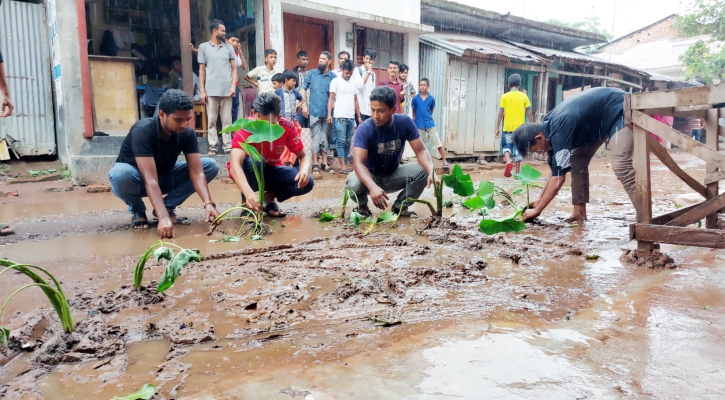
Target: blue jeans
{"type": "Point", "coordinates": [697, 135]}
{"type": "Point", "coordinates": [128, 186]}
{"type": "Point", "coordinates": [342, 130]}
{"type": "Point", "coordinates": [235, 106]}
{"type": "Point", "coordinates": [277, 180]}
{"type": "Point", "coordinates": [508, 146]}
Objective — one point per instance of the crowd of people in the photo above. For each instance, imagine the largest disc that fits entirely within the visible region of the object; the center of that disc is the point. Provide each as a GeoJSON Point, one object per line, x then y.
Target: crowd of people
{"type": "Point", "coordinates": [362, 123]}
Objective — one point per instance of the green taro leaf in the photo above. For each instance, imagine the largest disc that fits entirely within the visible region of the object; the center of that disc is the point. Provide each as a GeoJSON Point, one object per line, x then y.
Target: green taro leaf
{"type": "Point", "coordinates": [448, 203]}
{"type": "Point", "coordinates": [474, 203]}
{"type": "Point", "coordinates": [356, 218]}
{"type": "Point", "coordinates": [50, 171]}
{"type": "Point", "coordinates": [173, 270]}
{"type": "Point", "coordinates": [486, 191]}
{"type": "Point", "coordinates": [236, 126]}
{"type": "Point", "coordinates": [325, 217]}
{"type": "Point", "coordinates": [528, 174]}
{"type": "Point", "coordinates": [34, 172]}
{"type": "Point", "coordinates": [146, 392]}
{"type": "Point", "coordinates": [231, 239]}
{"type": "Point", "coordinates": [163, 253]}
{"type": "Point", "coordinates": [517, 191]}
{"type": "Point", "coordinates": [387, 216]}
{"type": "Point", "coordinates": [261, 131]}
{"type": "Point", "coordinates": [4, 336]}
{"type": "Point", "coordinates": [257, 237]}
{"type": "Point", "coordinates": [497, 225]}
{"type": "Point", "coordinates": [461, 183]}
{"type": "Point", "coordinates": [252, 152]}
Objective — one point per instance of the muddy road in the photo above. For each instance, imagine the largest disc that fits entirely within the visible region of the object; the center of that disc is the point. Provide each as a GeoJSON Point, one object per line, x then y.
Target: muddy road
{"type": "Point", "coordinates": [302, 314]}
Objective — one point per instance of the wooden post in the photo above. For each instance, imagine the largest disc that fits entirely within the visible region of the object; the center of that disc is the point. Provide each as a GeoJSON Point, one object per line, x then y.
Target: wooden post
{"type": "Point", "coordinates": [712, 141]}
{"type": "Point", "coordinates": [643, 190]}
{"type": "Point", "coordinates": [186, 55]}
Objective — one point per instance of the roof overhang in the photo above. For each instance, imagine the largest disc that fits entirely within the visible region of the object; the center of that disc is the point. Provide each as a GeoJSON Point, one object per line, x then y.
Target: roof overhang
{"type": "Point", "coordinates": [455, 17]}
{"type": "Point", "coordinates": [330, 13]}
{"type": "Point", "coordinates": [466, 45]}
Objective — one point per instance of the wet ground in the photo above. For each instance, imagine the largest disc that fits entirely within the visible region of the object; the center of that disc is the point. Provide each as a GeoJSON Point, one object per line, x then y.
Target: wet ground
{"type": "Point", "coordinates": [294, 316]}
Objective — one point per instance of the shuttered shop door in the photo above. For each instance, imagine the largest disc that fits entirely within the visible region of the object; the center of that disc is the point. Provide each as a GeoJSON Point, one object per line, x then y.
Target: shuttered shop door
{"type": "Point", "coordinates": [24, 38]}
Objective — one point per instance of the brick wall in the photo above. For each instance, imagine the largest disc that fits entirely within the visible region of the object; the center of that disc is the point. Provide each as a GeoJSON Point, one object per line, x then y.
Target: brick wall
{"type": "Point", "coordinates": [663, 30]}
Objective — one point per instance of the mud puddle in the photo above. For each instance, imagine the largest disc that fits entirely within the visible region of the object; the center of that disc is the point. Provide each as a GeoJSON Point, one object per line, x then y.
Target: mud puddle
{"type": "Point", "coordinates": [290, 317]}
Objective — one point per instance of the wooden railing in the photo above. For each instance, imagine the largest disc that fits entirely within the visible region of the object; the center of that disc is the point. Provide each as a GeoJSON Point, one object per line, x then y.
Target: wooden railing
{"type": "Point", "coordinates": [705, 102]}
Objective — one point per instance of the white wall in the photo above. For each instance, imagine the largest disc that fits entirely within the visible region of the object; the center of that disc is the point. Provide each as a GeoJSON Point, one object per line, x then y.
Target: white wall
{"type": "Point", "coordinates": [403, 10]}
{"type": "Point", "coordinates": [660, 56]}
{"type": "Point", "coordinates": [340, 42]}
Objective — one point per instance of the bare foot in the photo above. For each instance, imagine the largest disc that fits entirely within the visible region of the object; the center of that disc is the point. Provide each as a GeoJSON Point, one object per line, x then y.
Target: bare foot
{"type": "Point", "coordinates": [576, 218]}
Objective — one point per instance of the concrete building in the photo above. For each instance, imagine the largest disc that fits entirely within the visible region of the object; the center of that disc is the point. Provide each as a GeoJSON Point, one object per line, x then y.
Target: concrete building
{"type": "Point", "coordinates": [654, 48]}
{"type": "Point", "coordinates": [104, 56]}
{"type": "Point", "coordinates": [473, 52]}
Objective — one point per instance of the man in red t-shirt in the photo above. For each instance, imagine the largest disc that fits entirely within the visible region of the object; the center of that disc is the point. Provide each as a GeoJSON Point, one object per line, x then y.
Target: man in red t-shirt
{"type": "Point", "coordinates": [395, 84]}
{"type": "Point", "coordinates": [280, 182]}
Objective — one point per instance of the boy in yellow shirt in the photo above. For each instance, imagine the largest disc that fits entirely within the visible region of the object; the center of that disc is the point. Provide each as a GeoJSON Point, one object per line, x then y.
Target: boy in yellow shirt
{"type": "Point", "coordinates": [515, 106]}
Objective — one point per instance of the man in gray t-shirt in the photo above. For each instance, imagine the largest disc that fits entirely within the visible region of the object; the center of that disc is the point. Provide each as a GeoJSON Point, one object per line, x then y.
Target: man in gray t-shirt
{"type": "Point", "coordinates": [217, 83]}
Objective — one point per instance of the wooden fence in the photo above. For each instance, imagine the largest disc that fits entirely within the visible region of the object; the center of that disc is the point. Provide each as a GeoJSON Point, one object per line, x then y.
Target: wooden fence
{"type": "Point", "coordinates": [705, 102]}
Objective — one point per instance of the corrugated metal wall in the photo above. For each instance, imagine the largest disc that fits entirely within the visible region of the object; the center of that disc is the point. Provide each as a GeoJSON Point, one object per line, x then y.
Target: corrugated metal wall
{"type": "Point", "coordinates": [433, 65]}
{"type": "Point", "coordinates": [473, 103]}
{"type": "Point", "coordinates": [24, 44]}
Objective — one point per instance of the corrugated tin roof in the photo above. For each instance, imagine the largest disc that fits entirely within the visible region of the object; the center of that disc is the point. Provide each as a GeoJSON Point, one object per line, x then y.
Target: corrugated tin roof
{"type": "Point", "coordinates": [458, 44]}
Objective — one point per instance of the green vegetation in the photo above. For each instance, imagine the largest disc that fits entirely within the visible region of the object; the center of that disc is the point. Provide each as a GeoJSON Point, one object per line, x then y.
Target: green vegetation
{"type": "Point", "coordinates": [53, 291]}
{"type": "Point", "coordinates": [146, 392]}
{"type": "Point", "coordinates": [175, 263]}
{"type": "Point", "coordinates": [703, 60]}
{"type": "Point", "coordinates": [261, 132]}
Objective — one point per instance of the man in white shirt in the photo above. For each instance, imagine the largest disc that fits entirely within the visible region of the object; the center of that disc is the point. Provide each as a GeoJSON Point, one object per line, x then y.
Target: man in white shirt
{"type": "Point", "coordinates": [341, 57]}
{"type": "Point", "coordinates": [241, 63]}
{"type": "Point", "coordinates": [343, 99]}
{"type": "Point", "coordinates": [364, 77]}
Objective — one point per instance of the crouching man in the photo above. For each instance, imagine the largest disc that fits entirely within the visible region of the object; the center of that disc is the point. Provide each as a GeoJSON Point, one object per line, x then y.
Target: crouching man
{"type": "Point", "coordinates": [280, 182]}
{"type": "Point", "coordinates": [572, 133]}
{"type": "Point", "coordinates": [377, 149]}
{"type": "Point", "coordinates": [147, 166]}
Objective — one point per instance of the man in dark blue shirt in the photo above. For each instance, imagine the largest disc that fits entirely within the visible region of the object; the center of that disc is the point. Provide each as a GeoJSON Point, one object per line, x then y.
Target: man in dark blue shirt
{"type": "Point", "coordinates": [572, 133]}
{"type": "Point", "coordinates": [378, 146]}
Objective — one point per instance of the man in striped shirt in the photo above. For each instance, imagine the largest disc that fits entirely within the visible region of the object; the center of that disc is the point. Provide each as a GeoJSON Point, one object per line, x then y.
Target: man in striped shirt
{"type": "Point", "coordinates": [697, 129]}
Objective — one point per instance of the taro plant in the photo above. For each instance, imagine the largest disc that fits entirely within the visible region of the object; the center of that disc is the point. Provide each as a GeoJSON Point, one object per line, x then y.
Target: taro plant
{"type": "Point", "coordinates": [485, 201]}
{"type": "Point", "coordinates": [326, 216]}
{"type": "Point", "coordinates": [161, 251]}
{"type": "Point", "coordinates": [461, 184]}
{"type": "Point", "coordinates": [261, 132]}
{"type": "Point", "coordinates": [53, 291]}
{"type": "Point", "coordinates": [527, 177]}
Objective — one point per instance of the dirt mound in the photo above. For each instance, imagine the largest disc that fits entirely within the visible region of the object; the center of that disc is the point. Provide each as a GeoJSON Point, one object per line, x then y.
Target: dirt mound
{"type": "Point", "coordinates": [655, 260]}
{"type": "Point", "coordinates": [92, 339]}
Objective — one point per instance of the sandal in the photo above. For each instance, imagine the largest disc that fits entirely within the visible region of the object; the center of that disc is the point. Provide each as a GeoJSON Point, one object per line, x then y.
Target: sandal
{"type": "Point", "coordinates": [274, 207]}
{"type": "Point", "coordinates": [346, 171]}
{"type": "Point", "coordinates": [212, 152]}
{"type": "Point", "coordinates": [179, 220]}
{"type": "Point", "coordinates": [316, 171]}
{"type": "Point", "coordinates": [405, 213]}
{"type": "Point", "coordinates": [6, 231]}
{"type": "Point", "coordinates": [323, 167]}
{"type": "Point", "coordinates": [366, 213]}
{"type": "Point", "coordinates": [140, 222]}
{"type": "Point", "coordinates": [331, 171]}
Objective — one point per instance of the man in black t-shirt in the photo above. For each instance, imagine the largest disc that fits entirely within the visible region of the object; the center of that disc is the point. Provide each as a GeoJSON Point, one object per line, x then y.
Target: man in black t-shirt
{"type": "Point", "coordinates": [572, 133]}
{"type": "Point", "coordinates": [147, 166]}
{"type": "Point", "coordinates": [6, 110]}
